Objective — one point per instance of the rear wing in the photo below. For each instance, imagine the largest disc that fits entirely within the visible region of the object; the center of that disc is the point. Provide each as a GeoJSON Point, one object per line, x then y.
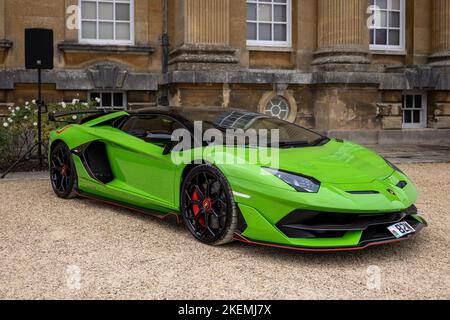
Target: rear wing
{"type": "Point", "coordinates": [91, 114]}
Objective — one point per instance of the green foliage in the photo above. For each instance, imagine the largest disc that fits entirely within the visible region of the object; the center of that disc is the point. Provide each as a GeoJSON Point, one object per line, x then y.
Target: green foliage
{"type": "Point", "coordinates": [18, 130]}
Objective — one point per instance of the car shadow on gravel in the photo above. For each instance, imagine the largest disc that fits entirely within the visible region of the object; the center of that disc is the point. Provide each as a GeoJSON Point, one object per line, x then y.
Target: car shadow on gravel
{"type": "Point", "coordinates": [395, 251]}
{"type": "Point", "coordinates": [170, 221]}
{"type": "Point", "coordinates": [171, 225]}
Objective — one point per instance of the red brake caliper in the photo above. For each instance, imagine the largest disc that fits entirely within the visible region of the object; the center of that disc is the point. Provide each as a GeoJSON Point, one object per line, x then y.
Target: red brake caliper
{"type": "Point", "coordinates": [196, 209]}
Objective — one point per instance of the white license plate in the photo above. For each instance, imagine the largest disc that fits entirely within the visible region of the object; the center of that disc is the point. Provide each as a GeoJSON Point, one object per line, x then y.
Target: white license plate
{"type": "Point", "coordinates": [401, 229]}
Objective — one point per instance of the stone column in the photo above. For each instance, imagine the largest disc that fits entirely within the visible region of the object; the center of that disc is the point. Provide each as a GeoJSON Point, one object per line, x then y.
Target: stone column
{"type": "Point", "coordinates": [342, 33]}
{"type": "Point", "coordinates": [205, 35]}
{"type": "Point", "coordinates": [441, 33]}
{"type": "Point", "coordinates": [4, 43]}
{"type": "Point", "coordinates": [2, 19]}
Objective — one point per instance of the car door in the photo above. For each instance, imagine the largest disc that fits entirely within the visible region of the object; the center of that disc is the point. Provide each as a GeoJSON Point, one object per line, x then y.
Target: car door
{"type": "Point", "coordinates": [139, 164]}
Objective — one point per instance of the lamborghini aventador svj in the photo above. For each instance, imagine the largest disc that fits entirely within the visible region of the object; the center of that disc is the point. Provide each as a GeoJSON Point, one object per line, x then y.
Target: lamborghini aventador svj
{"type": "Point", "coordinates": [308, 193]}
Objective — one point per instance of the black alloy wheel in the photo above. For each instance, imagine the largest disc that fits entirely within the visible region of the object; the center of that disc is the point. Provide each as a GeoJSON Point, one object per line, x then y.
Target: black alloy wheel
{"type": "Point", "coordinates": [208, 206]}
{"type": "Point", "coordinates": [63, 174]}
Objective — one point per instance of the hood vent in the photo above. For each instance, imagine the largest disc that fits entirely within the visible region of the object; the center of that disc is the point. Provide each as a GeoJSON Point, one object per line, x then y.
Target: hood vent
{"type": "Point", "coordinates": [363, 192]}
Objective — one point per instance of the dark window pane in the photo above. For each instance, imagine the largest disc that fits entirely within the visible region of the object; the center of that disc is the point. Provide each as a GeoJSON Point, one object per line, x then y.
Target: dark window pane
{"type": "Point", "coordinates": [418, 102]}
{"type": "Point", "coordinates": [407, 116]}
{"type": "Point", "coordinates": [251, 31]}
{"type": "Point", "coordinates": [280, 13]}
{"type": "Point", "coordinates": [382, 4]}
{"type": "Point", "coordinates": [394, 20]}
{"type": "Point", "coordinates": [394, 37]}
{"type": "Point", "coordinates": [118, 99]}
{"type": "Point", "coordinates": [409, 102]}
{"type": "Point", "coordinates": [381, 36]}
{"type": "Point", "coordinates": [88, 10]}
{"type": "Point", "coordinates": [395, 5]}
{"type": "Point", "coordinates": [251, 11]}
{"type": "Point", "coordinates": [94, 97]}
{"type": "Point", "coordinates": [265, 32]}
{"type": "Point", "coordinates": [123, 11]}
{"type": "Point", "coordinates": [280, 32]}
{"type": "Point", "coordinates": [417, 116]}
{"type": "Point", "coordinates": [106, 99]}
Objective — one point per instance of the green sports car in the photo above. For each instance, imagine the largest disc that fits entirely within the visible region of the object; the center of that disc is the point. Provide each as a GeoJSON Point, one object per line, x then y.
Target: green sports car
{"type": "Point", "coordinates": [315, 193]}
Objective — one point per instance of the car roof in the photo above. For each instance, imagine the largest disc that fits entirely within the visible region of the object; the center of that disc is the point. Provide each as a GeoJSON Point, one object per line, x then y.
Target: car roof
{"type": "Point", "coordinates": [182, 110]}
{"type": "Point", "coordinates": [183, 113]}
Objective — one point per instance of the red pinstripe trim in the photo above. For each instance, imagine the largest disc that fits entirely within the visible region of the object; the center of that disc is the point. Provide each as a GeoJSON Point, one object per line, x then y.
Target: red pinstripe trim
{"type": "Point", "coordinates": [63, 129]}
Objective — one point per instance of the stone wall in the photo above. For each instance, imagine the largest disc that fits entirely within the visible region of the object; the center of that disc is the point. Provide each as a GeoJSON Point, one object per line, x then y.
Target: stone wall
{"type": "Point", "coordinates": [329, 76]}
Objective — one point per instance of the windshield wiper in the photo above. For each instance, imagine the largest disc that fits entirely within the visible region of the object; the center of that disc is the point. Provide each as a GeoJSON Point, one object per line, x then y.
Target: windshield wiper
{"type": "Point", "coordinates": [321, 141]}
{"type": "Point", "coordinates": [291, 144]}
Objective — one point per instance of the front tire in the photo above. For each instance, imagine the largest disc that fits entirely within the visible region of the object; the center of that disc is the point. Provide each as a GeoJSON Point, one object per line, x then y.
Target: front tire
{"type": "Point", "coordinates": [208, 206]}
{"type": "Point", "coordinates": [63, 174]}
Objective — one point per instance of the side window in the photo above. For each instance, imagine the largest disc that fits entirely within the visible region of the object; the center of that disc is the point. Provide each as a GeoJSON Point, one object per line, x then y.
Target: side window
{"type": "Point", "coordinates": [144, 127]}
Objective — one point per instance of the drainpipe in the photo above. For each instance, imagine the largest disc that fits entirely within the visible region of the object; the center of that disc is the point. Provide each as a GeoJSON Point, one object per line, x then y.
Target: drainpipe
{"type": "Point", "coordinates": [164, 97]}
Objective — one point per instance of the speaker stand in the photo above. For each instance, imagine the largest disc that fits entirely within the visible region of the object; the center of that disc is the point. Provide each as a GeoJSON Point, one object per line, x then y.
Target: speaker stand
{"type": "Point", "coordinates": [39, 144]}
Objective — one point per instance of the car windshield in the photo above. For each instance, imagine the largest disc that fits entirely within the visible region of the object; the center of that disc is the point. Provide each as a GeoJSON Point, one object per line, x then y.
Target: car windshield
{"type": "Point", "coordinates": [290, 135]}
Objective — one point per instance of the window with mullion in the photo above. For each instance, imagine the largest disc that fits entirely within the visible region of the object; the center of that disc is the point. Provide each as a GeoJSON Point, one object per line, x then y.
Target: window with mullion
{"type": "Point", "coordinates": [109, 99]}
{"type": "Point", "coordinates": [388, 25]}
{"type": "Point", "coordinates": [414, 110]}
{"type": "Point", "coordinates": [106, 21]}
{"type": "Point", "coordinates": [269, 22]}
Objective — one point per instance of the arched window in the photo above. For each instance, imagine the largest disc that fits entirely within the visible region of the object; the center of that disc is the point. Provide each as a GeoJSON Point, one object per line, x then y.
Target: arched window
{"type": "Point", "coordinates": [106, 22]}
{"type": "Point", "coordinates": [278, 107]}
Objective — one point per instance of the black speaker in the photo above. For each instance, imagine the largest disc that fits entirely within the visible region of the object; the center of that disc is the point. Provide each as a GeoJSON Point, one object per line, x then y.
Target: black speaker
{"type": "Point", "coordinates": [38, 49]}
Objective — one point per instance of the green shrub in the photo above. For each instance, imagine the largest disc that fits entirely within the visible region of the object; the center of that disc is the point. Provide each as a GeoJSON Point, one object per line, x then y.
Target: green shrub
{"type": "Point", "coordinates": [18, 130]}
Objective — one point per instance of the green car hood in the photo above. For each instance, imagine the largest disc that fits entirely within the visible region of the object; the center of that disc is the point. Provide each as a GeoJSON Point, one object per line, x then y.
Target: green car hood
{"type": "Point", "coordinates": [336, 162]}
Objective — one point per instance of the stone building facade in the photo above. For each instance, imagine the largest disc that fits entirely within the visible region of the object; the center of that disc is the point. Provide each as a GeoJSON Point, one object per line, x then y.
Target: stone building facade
{"type": "Point", "coordinates": [371, 70]}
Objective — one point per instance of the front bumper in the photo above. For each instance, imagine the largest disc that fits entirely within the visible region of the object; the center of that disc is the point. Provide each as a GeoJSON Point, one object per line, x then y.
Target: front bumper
{"type": "Point", "coordinates": [322, 231]}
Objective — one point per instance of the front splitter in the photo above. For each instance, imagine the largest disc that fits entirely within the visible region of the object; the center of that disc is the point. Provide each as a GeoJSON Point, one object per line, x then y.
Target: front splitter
{"type": "Point", "coordinates": [240, 238]}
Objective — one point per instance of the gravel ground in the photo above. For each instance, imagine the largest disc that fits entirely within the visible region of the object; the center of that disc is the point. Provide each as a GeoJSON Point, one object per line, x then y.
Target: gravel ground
{"type": "Point", "coordinates": [56, 249]}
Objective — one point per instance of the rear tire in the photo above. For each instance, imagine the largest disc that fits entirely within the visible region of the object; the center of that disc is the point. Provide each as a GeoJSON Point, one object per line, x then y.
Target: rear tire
{"type": "Point", "coordinates": [63, 174]}
{"type": "Point", "coordinates": [208, 207]}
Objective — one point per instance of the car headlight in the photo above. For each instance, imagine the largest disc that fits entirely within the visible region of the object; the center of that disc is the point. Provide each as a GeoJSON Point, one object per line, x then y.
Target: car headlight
{"type": "Point", "coordinates": [393, 166]}
{"type": "Point", "coordinates": [298, 182]}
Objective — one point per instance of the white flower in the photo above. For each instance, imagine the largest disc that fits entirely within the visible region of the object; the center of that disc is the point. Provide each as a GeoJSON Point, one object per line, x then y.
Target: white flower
{"type": "Point", "coordinates": [35, 124]}
{"type": "Point", "coordinates": [10, 120]}
{"type": "Point", "coordinates": [63, 104]}
{"type": "Point", "coordinates": [34, 101]}
{"type": "Point", "coordinates": [9, 108]}
{"type": "Point", "coordinates": [85, 104]}
{"type": "Point", "coordinates": [75, 101]}
{"type": "Point", "coordinates": [27, 108]}
{"type": "Point", "coordinates": [17, 108]}
{"type": "Point", "coordinates": [5, 124]}
{"type": "Point", "coordinates": [98, 100]}
{"type": "Point", "coordinates": [25, 118]}
{"type": "Point", "coordinates": [74, 117]}
{"type": "Point", "coordinates": [27, 103]}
